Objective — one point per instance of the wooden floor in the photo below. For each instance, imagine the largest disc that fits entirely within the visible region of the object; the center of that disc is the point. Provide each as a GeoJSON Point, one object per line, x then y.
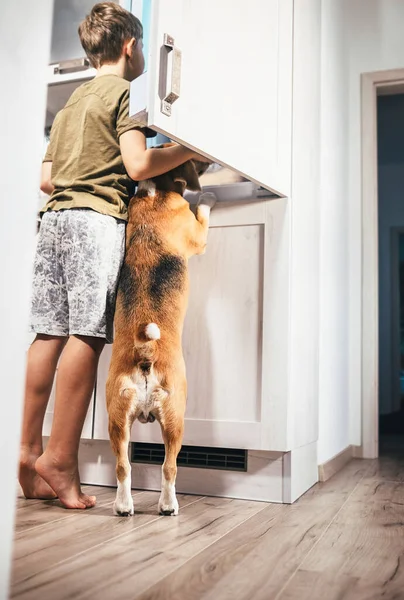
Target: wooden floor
{"type": "Point", "coordinates": [343, 540]}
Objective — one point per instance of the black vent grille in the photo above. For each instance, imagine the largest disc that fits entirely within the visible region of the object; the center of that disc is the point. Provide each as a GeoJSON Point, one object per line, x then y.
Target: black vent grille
{"type": "Point", "coordinates": [226, 459]}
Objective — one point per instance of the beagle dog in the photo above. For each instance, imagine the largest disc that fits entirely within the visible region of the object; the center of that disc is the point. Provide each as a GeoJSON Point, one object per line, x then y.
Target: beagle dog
{"type": "Point", "coordinates": [146, 379]}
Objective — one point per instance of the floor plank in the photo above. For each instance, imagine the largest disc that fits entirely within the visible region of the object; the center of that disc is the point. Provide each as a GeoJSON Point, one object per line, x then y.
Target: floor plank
{"type": "Point", "coordinates": [129, 563]}
{"type": "Point", "coordinates": [255, 560]}
{"type": "Point", "coordinates": [31, 513]}
{"type": "Point", "coordinates": [364, 545]}
{"type": "Point", "coordinates": [84, 530]}
{"type": "Point", "coordinates": [308, 585]}
{"type": "Point", "coordinates": [387, 468]}
{"type": "Point", "coordinates": [343, 540]}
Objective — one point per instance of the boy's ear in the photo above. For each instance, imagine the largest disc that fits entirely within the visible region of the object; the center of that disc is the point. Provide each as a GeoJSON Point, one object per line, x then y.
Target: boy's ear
{"type": "Point", "coordinates": [129, 46]}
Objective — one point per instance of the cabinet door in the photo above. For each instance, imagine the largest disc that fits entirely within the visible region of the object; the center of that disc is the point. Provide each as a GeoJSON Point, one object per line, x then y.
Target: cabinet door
{"type": "Point", "coordinates": [233, 81]}
{"type": "Point", "coordinates": [235, 340]}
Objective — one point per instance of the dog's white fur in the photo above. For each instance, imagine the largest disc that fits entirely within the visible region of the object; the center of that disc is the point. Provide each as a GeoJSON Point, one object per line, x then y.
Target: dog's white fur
{"type": "Point", "coordinates": [152, 331]}
{"type": "Point", "coordinates": [168, 503]}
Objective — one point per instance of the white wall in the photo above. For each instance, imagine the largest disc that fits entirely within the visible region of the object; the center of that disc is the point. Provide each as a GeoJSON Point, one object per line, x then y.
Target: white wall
{"type": "Point", "coordinates": [375, 41]}
{"type": "Point", "coordinates": [24, 49]}
{"type": "Point", "coordinates": [358, 36]}
{"type": "Point", "coordinates": [333, 246]}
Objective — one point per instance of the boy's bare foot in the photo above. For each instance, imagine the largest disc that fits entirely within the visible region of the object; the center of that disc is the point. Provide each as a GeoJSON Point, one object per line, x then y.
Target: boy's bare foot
{"type": "Point", "coordinates": [63, 477]}
{"type": "Point", "coordinates": [32, 484]}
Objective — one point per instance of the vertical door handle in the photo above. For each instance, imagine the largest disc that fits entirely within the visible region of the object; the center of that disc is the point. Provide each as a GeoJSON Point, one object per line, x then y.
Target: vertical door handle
{"type": "Point", "coordinates": [173, 92]}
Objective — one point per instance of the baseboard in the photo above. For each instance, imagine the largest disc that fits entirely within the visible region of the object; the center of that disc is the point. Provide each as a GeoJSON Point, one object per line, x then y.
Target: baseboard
{"type": "Point", "coordinates": [270, 476]}
{"type": "Point", "coordinates": [335, 464]}
{"type": "Point", "coordinates": [262, 481]}
{"type": "Point", "coordinates": [357, 451]}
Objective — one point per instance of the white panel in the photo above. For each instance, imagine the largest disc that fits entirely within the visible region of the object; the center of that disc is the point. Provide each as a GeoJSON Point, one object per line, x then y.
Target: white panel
{"type": "Point", "coordinates": [305, 208]}
{"type": "Point", "coordinates": [334, 234]}
{"type": "Point", "coordinates": [276, 326]}
{"type": "Point", "coordinates": [25, 28]}
{"type": "Point", "coordinates": [300, 472]}
{"type": "Point", "coordinates": [236, 334]}
{"type": "Point", "coordinates": [236, 83]}
{"type": "Point", "coordinates": [222, 333]}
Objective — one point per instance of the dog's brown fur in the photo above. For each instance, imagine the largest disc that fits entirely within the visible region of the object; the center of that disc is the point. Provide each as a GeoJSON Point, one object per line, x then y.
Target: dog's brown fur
{"type": "Point", "coordinates": [147, 376]}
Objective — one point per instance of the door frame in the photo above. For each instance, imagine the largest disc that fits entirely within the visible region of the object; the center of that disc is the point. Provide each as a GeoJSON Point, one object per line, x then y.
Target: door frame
{"type": "Point", "coordinates": [372, 85]}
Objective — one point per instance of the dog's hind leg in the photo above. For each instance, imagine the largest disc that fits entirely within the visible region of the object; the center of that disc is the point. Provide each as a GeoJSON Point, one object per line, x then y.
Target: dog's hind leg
{"type": "Point", "coordinates": [120, 423]}
{"type": "Point", "coordinates": [172, 427]}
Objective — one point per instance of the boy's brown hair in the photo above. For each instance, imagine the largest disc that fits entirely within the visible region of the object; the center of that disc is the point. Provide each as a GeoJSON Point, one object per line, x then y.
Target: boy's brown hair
{"type": "Point", "coordinates": [104, 31]}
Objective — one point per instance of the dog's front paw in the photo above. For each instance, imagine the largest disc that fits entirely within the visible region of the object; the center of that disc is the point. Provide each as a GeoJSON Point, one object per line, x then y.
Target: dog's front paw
{"type": "Point", "coordinates": [207, 201]}
{"type": "Point", "coordinates": [168, 503]}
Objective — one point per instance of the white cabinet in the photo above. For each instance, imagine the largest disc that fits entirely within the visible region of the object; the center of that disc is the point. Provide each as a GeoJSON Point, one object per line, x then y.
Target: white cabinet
{"type": "Point", "coordinates": [251, 333]}
{"type": "Point", "coordinates": [233, 80]}
{"type": "Point", "coordinates": [235, 334]}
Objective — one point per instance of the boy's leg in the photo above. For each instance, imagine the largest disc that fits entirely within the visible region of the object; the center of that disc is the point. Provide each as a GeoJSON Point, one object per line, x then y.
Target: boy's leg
{"type": "Point", "coordinates": [43, 356]}
{"type": "Point", "coordinates": [74, 387]}
{"type": "Point", "coordinates": [49, 320]}
{"type": "Point", "coordinates": [91, 249]}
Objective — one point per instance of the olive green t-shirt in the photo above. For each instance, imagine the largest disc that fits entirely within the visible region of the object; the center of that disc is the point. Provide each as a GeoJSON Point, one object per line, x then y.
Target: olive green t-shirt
{"type": "Point", "coordinates": [87, 166]}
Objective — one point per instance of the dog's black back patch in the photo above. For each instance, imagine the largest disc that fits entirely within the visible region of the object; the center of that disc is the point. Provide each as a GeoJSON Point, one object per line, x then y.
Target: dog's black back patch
{"type": "Point", "coordinates": [167, 276]}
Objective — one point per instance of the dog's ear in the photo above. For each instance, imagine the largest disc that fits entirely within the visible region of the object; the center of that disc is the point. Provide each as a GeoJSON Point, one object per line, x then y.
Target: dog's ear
{"type": "Point", "coordinates": [189, 173]}
{"type": "Point", "coordinates": [201, 167]}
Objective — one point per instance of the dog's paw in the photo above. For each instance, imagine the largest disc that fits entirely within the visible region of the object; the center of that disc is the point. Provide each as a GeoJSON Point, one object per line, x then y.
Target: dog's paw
{"type": "Point", "coordinates": [168, 505]}
{"type": "Point", "coordinates": [169, 510]}
{"type": "Point", "coordinates": [123, 507]}
{"type": "Point", "coordinates": [207, 201]}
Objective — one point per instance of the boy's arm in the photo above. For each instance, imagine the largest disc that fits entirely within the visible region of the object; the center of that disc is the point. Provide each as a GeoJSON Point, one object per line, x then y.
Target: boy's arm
{"type": "Point", "coordinates": [46, 178]}
{"type": "Point", "coordinates": [144, 163]}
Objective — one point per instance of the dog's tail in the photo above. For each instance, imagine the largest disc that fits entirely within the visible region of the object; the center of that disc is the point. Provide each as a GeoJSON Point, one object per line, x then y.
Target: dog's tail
{"type": "Point", "coordinates": [145, 344]}
{"type": "Point", "coordinates": [152, 331]}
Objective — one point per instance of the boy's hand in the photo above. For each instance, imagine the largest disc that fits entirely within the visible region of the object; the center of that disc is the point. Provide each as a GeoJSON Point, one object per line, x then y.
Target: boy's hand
{"type": "Point", "coordinates": [145, 163]}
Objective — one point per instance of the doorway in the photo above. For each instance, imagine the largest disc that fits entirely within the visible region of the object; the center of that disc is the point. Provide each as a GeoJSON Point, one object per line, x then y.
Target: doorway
{"type": "Point", "coordinates": [381, 357]}
{"type": "Point", "coordinates": [390, 172]}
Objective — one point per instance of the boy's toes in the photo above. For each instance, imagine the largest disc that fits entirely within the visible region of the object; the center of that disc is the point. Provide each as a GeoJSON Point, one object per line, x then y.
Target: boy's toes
{"type": "Point", "coordinates": [88, 501]}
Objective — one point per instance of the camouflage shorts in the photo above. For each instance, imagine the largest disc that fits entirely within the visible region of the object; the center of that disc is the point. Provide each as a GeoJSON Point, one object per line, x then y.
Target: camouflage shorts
{"type": "Point", "coordinates": [77, 263]}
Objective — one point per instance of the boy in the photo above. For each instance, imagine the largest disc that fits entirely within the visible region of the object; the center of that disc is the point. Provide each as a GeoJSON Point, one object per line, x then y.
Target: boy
{"type": "Point", "coordinates": [95, 153]}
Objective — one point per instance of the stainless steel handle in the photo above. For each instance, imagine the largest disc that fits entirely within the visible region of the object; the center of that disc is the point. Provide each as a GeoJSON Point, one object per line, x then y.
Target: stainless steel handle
{"type": "Point", "coordinates": [173, 92]}
{"type": "Point", "coordinates": [71, 66]}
